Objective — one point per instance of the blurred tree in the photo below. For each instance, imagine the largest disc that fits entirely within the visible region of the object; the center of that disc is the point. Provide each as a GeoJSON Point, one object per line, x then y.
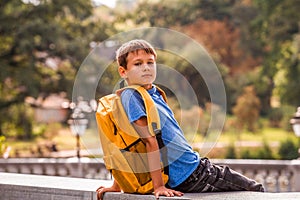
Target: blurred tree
{"type": "Point", "coordinates": [170, 13]}
{"type": "Point", "coordinates": [42, 44]}
{"type": "Point", "coordinates": [214, 24]}
{"type": "Point", "coordinates": [247, 109]}
{"type": "Point", "coordinates": [276, 24]}
{"type": "Point", "coordinates": [288, 72]}
{"type": "Point", "coordinates": [242, 35]}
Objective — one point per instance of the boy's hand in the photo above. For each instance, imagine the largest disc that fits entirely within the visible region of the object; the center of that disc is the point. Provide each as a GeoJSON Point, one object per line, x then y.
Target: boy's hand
{"type": "Point", "coordinates": [101, 190]}
{"type": "Point", "coordinates": [163, 191]}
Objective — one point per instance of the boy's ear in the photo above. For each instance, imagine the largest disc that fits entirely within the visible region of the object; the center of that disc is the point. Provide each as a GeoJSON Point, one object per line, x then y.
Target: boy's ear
{"type": "Point", "coordinates": [122, 72]}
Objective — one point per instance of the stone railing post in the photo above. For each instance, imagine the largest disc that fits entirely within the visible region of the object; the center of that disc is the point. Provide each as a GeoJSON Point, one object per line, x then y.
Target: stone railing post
{"type": "Point", "coordinates": [295, 168]}
{"type": "Point", "coordinates": [78, 167]}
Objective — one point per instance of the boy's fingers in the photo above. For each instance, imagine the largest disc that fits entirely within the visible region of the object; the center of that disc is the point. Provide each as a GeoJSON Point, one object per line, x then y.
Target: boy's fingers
{"type": "Point", "coordinates": [169, 193]}
{"type": "Point", "coordinates": [100, 192]}
{"type": "Point", "coordinates": [157, 194]}
{"type": "Point", "coordinates": [99, 195]}
{"type": "Point", "coordinates": [99, 188]}
{"type": "Point", "coordinates": [178, 193]}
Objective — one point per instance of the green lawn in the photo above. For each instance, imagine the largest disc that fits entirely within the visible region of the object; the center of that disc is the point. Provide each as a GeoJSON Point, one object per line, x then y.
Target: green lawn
{"type": "Point", "coordinates": [252, 142]}
{"type": "Point", "coordinates": [266, 134]}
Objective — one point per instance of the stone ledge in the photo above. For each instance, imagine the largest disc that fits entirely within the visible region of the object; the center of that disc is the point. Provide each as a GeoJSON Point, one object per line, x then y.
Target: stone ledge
{"type": "Point", "coordinates": [123, 196]}
{"type": "Point", "coordinates": [35, 187]}
{"type": "Point", "coordinates": [209, 196]}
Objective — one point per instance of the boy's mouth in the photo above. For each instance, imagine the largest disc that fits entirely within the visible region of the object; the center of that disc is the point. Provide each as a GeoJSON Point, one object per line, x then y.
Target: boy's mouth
{"type": "Point", "coordinates": [147, 75]}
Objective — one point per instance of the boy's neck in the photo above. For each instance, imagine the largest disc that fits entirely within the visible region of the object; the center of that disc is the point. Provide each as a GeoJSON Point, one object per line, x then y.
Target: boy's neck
{"type": "Point", "coordinates": [148, 86]}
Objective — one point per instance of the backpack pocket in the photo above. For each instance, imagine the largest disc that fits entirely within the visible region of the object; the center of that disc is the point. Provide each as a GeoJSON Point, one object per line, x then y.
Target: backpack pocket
{"type": "Point", "coordinates": [137, 159]}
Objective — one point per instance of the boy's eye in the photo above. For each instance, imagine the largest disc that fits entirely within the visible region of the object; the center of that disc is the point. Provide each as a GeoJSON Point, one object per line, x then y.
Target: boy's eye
{"type": "Point", "coordinates": [138, 64]}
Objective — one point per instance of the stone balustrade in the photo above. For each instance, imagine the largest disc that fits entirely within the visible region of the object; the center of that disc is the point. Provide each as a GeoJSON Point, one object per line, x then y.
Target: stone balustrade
{"type": "Point", "coordinates": [276, 175]}
{"type": "Point", "coordinates": [68, 167]}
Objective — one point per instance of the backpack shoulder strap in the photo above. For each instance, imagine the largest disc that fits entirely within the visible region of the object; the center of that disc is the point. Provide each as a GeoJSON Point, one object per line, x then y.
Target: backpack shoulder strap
{"type": "Point", "coordinates": [152, 118]}
{"type": "Point", "coordinates": [152, 113]}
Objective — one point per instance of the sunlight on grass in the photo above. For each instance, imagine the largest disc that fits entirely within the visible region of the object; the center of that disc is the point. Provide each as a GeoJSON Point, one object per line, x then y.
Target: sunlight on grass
{"type": "Point", "coordinates": [269, 134]}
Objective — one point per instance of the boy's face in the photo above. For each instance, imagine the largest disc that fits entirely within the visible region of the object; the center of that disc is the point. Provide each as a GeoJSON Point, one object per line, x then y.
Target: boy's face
{"type": "Point", "coordinates": [141, 69]}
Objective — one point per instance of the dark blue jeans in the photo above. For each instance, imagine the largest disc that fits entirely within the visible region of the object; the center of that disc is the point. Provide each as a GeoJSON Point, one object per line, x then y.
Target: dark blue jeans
{"type": "Point", "coordinates": [213, 178]}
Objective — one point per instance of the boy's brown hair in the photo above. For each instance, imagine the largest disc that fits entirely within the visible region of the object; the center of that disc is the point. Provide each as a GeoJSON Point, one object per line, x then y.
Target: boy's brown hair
{"type": "Point", "coordinates": [133, 46]}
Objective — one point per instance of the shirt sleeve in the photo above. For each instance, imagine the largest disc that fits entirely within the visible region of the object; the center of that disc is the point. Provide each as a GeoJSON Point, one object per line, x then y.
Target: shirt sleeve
{"type": "Point", "coordinates": [133, 105]}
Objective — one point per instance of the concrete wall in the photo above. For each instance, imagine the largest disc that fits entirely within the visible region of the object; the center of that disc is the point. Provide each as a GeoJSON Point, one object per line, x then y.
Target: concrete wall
{"type": "Point", "coordinates": [37, 187]}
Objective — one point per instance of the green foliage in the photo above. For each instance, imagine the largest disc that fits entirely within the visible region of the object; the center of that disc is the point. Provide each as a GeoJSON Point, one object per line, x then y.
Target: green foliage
{"type": "Point", "coordinates": [277, 20]}
{"type": "Point", "coordinates": [42, 44]}
{"type": "Point", "coordinates": [246, 154]}
{"type": "Point", "coordinates": [2, 145]}
{"type": "Point", "coordinates": [247, 109]}
{"type": "Point", "coordinates": [265, 152]}
{"type": "Point", "coordinates": [288, 150]}
{"type": "Point", "coordinates": [235, 86]}
{"type": "Point", "coordinates": [275, 25]}
{"type": "Point", "coordinates": [275, 117]}
{"type": "Point", "coordinates": [170, 13]}
{"type": "Point", "coordinates": [288, 70]}
{"type": "Point", "coordinates": [231, 153]}
{"type": "Point", "coordinates": [18, 122]}
{"type": "Point", "coordinates": [288, 112]}
{"type": "Point", "coordinates": [264, 26]}
{"type": "Point", "coordinates": [34, 35]}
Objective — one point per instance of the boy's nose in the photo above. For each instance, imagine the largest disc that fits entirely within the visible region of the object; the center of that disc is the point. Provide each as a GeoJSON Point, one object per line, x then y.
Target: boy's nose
{"type": "Point", "coordinates": [146, 67]}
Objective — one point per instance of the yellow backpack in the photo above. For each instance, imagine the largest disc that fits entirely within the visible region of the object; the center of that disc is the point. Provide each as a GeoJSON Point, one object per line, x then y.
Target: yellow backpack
{"type": "Point", "coordinates": [124, 152]}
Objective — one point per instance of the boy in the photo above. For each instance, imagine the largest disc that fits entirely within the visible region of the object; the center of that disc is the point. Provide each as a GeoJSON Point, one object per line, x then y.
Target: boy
{"type": "Point", "coordinates": [187, 171]}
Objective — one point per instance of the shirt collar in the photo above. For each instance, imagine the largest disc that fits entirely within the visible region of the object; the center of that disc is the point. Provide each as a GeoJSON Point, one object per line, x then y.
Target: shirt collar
{"type": "Point", "coordinates": [152, 90]}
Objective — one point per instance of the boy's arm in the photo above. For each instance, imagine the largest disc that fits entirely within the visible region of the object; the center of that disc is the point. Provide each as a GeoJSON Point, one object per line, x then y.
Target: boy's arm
{"type": "Point", "coordinates": [153, 159]}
